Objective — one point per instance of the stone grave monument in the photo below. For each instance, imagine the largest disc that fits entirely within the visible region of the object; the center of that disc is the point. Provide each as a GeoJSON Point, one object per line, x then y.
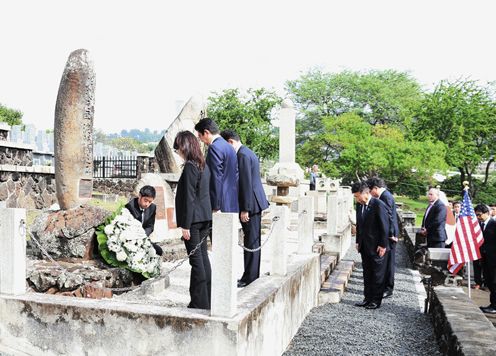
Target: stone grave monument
{"type": "Point", "coordinates": [73, 127]}
{"type": "Point", "coordinates": [286, 173]}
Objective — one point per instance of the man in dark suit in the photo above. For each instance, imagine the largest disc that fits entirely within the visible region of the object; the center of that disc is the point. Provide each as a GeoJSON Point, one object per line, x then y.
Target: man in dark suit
{"type": "Point", "coordinates": [378, 190]}
{"type": "Point", "coordinates": [252, 201]}
{"type": "Point", "coordinates": [372, 243]}
{"type": "Point", "coordinates": [223, 165]}
{"type": "Point", "coordinates": [143, 209]}
{"type": "Point", "coordinates": [488, 252]}
{"type": "Point", "coordinates": [434, 221]}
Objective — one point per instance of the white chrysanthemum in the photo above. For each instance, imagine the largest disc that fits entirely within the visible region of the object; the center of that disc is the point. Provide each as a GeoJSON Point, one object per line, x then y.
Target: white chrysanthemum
{"type": "Point", "coordinates": [121, 256]}
{"type": "Point", "coordinates": [109, 230]}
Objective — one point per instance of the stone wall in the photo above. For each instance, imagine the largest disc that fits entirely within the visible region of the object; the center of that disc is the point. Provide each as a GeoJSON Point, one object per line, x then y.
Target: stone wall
{"type": "Point", "coordinates": [16, 154]}
{"type": "Point", "coordinates": [27, 187]}
{"type": "Point", "coordinates": [460, 327]}
{"type": "Point", "coordinates": [124, 187]}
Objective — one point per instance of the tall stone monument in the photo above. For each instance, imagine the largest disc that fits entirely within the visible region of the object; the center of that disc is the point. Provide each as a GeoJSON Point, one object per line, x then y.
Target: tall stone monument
{"type": "Point", "coordinates": [73, 128]}
{"type": "Point", "coordinates": [192, 112]}
{"type": "Point", "coordinates": [287, 142]}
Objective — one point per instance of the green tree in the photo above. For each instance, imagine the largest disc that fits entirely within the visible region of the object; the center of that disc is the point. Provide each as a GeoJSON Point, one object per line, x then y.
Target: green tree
{"type": "Point", "coordinates": [250, 116]}
{"type": "Point", "coordinates": [379, 97]}
{"type": "Point", "coordinates": [462, 114]}
{"type": "Point", "coordinates": [353, 149]}
{"type": "Point", "coordinates": [10, 116]}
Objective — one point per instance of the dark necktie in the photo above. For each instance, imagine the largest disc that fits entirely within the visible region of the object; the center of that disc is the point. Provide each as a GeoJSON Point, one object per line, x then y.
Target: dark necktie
{"type": "Point", "coordinates": [482, 225]}
{"type": "Point", "coordinates": [142, 214]}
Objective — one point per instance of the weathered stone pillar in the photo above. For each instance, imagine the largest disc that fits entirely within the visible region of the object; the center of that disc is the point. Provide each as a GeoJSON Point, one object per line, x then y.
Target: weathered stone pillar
{"type": "Point", "coordinates": [224, 244]}
{"type": "Point", "coordinates": [305, 224]}
{"type": "Point", "coordinates": [332, 213]}
{"type": "Point", "coordinates": [279, 233]}
{"type": "Point", "coordinates": [12, 251]}
{"type": "Point", "coordinates": [73, 131]}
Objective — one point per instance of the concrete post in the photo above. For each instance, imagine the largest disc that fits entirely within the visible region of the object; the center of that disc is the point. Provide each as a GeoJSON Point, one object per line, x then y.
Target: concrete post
{"type": "Point", "coordinates": [224, 245]}
{"type": "Point", "coordinates": [305, 224]}
{"type": "Point", "coordinates": [12, 251]}
{"type": "Point", "coordinates": [279, 233]}
{"type": "Point", "coordinates": [332, 213]}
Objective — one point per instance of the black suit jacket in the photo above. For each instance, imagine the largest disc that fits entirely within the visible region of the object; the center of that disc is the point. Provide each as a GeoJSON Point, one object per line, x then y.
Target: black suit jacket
{"type": "Point", "coordinates": [193, 196]}
{"type": "Point", "coordinates": [148, 222]}
{"type": "Point", "coordinates": [435, 222]}
{"type": "Point", "coordinates": [488, 248]}
{"type": "Point", "coordinates": [372, 227]}
{"type": "Point", "coordinates": [251, 193]}
{"type": "Point", "coordinates": [388, 200]}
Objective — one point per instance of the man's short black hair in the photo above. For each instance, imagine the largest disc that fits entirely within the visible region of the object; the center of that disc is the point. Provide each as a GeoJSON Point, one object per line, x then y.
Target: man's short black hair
{"type": "Point", "coordinates": [376, 182]}
{"type": "Point", "coordinates": [360, 187]}
{"type": "Point", "coordinates": [482, 208]}
{"type": "Point", "coordinates": [148, 191]}
{"type": "Point", "coordinates": [457, 202]}
{"type": "Point", "coordinates": [230, 135]}
{"type": "Point", "coordinates": [207, 124]}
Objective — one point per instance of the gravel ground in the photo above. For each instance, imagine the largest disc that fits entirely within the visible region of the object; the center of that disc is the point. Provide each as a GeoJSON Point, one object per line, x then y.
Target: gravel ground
{"type": "Point", "coordinates": [396, 328]}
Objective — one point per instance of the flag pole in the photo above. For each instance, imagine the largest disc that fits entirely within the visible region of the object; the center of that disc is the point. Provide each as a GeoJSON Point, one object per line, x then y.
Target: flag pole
{"type": "Point", "coordinates": [465, 183]}
{"type": "Point", "coordinates": [468, 284]}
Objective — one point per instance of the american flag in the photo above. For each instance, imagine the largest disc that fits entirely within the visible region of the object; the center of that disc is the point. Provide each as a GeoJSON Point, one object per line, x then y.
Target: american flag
{"type": "Point", "coordinates": [468, 237]}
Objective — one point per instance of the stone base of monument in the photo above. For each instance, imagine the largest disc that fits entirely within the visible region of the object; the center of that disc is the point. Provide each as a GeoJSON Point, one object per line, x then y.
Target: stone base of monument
{"type": "Point", "coordinates": [268, 314]}
{"type": "Point", "coordinates": [48, 277]}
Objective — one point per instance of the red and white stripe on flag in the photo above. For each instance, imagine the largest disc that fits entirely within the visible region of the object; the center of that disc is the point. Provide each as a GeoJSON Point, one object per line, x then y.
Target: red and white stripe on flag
{"type": "Point", "coordinates": [468, 237]}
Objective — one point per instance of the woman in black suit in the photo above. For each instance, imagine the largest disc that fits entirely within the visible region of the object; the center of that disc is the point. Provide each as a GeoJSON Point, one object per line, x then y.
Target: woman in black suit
{"type": "Point", "coordinates": [194, 215]}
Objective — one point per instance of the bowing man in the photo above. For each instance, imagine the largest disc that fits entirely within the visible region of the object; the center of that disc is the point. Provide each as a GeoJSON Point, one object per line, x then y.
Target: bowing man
{"type": "Point", "coordinates": [372, 243]}
{"type": "Point", "coordinates": [252, 201]}
{"type": "Point", "coordinates": [223, 164]}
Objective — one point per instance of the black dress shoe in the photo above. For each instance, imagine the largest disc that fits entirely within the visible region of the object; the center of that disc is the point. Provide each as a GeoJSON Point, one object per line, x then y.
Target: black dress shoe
{"type": "Point", "coordinates": [488, 310]}
{"type": "Point", "coordinates": [387, 294]}
{"type": "Point", "coordinates": [242, 284]}
{"type": "Point", "coordinates": [372, 305]}
{"type": "Point", "coordinates": [362, 304]}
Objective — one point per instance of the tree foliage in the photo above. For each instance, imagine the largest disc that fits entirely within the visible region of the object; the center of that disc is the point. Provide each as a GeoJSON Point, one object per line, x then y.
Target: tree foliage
{"type": "Point", "coordinates": [250, 116]}
{"type": "Point", "coordinates": [379, 97]}
{"type": "Point", "coordinates": [461, 114]}
{"type": "Point", "coordinates": [10, 116]}
{"type": "Point", "coordinates": [352, 149]}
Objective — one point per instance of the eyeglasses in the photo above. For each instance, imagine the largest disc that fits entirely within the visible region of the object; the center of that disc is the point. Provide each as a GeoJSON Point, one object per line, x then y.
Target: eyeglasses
{"type": "Point", "coordinates": [478, 214]}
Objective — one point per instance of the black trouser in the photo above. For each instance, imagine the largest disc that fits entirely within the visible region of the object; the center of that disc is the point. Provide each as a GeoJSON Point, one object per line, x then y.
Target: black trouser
{"type": "Point", "coordinates": [479, 274]}
{"type": "Point", "coordinates": [490, 279]}
{"type": "Point", "coordinates": [158, 249]}
{"type": "Point", "coordinates": [374, 272]}
{"type": "Point", "coordinates": [435, 244]}
{"type": "Point", "coordinates": [201, 273]}
{"type": "Point", "coordinates": [391, 267]}
{"type": "Point", "coordinates": [252, 239]}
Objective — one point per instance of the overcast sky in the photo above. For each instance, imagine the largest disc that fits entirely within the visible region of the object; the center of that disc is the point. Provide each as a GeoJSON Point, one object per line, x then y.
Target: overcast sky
{"type": "Point", "coordinates": [149, 55]}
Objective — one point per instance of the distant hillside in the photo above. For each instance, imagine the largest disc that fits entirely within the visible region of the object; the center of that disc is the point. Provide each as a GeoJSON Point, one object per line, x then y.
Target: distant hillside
{"type": "Point", "coordinates": [143, 136]}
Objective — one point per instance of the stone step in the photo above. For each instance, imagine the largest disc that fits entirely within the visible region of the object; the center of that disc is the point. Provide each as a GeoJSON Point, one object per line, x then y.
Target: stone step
{"type": "Point", "coordinates": [333, 288]}
{"type": "Point", "coordinates": [327, 265]}
{"type": "Point", "coordinates": [318, 247]}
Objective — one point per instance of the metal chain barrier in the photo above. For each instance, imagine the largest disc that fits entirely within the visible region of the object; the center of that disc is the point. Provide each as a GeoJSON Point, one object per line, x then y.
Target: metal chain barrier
{"type": "Point", "coordinates": [274, 220]}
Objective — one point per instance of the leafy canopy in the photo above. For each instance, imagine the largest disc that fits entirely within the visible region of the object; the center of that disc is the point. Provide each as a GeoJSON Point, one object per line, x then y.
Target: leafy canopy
{"type": "Point", "coordinates": [10, 116]}
{"type": "Point", "coordinates": [250, 116]}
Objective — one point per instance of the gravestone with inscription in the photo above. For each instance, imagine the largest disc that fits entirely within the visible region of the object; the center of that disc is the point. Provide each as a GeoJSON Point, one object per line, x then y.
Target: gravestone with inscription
{"type": "Point", "coordinates": [73, 128]}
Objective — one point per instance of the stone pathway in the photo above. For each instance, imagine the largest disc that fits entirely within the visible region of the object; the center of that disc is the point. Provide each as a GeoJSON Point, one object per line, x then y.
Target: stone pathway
{"type": "Point", "coordinates": [397, 328]}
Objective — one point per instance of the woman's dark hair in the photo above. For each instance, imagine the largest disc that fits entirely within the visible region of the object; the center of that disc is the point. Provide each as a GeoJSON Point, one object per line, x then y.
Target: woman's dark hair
{"type": "Point", "coordinates": [189, 146]}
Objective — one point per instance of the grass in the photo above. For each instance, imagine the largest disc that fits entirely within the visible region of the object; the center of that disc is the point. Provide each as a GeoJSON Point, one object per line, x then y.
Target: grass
{"type": "Point", "coordinates": [418, 206]}
{"type": "Point", "coordinates": [111, 206]}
